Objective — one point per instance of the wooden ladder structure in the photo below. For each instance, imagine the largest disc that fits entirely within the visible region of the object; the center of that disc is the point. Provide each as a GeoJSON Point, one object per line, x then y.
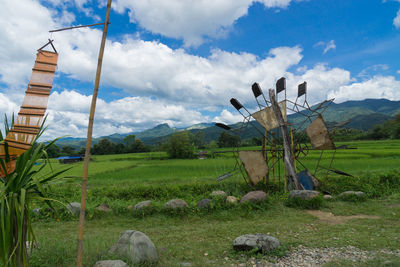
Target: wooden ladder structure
{"type": "Point", "coordinates": [30, 117]}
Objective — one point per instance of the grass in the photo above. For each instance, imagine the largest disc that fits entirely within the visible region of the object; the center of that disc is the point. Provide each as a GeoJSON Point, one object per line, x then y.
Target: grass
{"type": "Point", "coordinates": [204, 238]}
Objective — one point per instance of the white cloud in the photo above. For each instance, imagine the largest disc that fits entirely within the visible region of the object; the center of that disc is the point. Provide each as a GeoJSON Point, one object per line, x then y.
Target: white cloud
{"type": "Point", "coordinates": [228, 117]}
{"type": "Point", "coordinates": [169, 85]}
{"type": "Point", "coordinates": [398, 72]}
{"type": "Point", "coordinates": [69, 111]}
{"type": "Point", "coordinates": [377, 87]}
{"type": "Point", "coordinates": [327, 46]}
{"type": "Point", "coordinates": [396, 20]}
{"type": "Point", "coordinates": [190, 20]}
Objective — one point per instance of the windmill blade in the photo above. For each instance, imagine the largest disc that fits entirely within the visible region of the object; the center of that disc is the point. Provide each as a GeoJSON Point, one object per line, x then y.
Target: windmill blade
{"type": "Point", "coordinates": [319, 135]}
{"type": "Point", "coordinates": [223, 126]}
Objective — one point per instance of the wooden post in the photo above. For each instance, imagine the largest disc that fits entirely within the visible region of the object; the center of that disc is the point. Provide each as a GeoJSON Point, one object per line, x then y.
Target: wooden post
{"type": "Point", "coordinates": [89, 138]}
{"type": "Point", "coordinates": [288, 158]}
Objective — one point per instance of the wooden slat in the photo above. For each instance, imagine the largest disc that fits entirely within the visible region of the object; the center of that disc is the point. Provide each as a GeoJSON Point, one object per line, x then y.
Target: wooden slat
{"type": "Point", "coordinates": [44, 66]}
{"type": "Point", "coordinates": [23, 146]}
{"type": "Point", "coordinates": [47, 57]}
{"type": "Point", "coordinates": [31, 111]}
{"type": "Point", "coordinates": [37, 92]}
{"type": "Point", "coordinates": [25, 130]}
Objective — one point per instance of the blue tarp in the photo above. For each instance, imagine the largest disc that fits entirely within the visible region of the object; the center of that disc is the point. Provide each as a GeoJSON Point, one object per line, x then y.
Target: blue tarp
{"type": "Point", "coordinates": [70, 157]}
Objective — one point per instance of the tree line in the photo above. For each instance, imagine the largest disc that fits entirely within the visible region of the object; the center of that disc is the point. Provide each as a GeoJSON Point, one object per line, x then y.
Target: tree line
{"type": "Point", "coordinates": [184, 144]}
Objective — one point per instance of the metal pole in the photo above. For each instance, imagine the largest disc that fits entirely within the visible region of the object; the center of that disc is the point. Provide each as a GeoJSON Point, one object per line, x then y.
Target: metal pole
{"type": "Point", "coordinates": [89, 139]}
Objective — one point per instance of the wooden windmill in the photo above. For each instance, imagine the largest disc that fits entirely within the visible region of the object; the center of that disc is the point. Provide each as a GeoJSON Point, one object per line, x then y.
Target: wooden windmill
{"type": "Point", "coordinates": [26, 127]}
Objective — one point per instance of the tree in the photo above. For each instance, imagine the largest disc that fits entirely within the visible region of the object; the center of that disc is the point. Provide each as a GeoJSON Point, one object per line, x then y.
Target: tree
{"type": "Point", "coordinates": [104, 147]}
{"type": "Point", "coordinates": [130, 140]}
{"type": "Point", "coordinates": [53, 151]}
{"type": "Point", "coordinates": [197, 139]}
{"type": "Point", "coordinates": [179, 146]}
{"type": "Point", "coordinates": [228, 140]}
{"type": "Point", "coordinates": [68, 150]}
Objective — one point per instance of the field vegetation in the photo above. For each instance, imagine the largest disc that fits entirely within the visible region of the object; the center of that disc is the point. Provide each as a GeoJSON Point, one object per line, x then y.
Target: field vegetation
{"type": "Point", "coordinates": [204, 237]}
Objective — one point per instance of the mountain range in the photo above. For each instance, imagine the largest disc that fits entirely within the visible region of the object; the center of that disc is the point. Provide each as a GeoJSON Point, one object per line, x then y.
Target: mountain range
{"type": "Point", "coordinates": [362, 115]}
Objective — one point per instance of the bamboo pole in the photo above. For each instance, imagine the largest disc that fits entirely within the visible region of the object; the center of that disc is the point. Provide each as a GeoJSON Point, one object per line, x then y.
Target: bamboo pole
{"type": "Point", "coordinates": [89, 138]}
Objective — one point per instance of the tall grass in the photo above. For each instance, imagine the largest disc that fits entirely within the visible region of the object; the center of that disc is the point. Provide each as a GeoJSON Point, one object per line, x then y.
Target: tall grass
{"type": "Point", "coordinates": [17, 190]}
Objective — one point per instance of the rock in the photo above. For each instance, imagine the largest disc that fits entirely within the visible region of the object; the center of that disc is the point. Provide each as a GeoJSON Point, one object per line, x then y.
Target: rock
{"type": "Point", "coordinates": [37, 211]}
{"type": "Point", "coordinates": [104, 208]}
{"type": "Point", "coordinates": [185, 264]}
{"type": "Point", "coordinates": [176, 204]}
{"type": "Point", "coordinates": [143, 205]}
{"type": "Point", "coordinates": [111, 263]}
{"type": "Point", "coordinates": [204, 203]}
{"type": "Point", "coordinates": [137, 246]}
{"type": "Point", "coordinates": [304, 194]}
{"type": "Point", "coordinates": [327, 197]}
{"type": "Point", "coordinates": [254, 196]}
{"type": "Point", "coordinates": [74, 208]}
{"type": "Point", "coordinates": [262, 242]}
{"type": "Point", "coordinates": [218, 193]}
{"type": "Point", "coordinates": [231, 200]}
{"type": "Point", "coordinates": [352, 193]}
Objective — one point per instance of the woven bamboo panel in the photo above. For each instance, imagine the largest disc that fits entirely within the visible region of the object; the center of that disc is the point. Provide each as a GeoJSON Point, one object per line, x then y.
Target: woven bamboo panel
{"type": "Point", "coordinates": [30, 116]}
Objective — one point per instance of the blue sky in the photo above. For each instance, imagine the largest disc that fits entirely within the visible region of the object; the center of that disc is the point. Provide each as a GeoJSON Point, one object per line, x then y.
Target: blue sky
{"type": "Point", "coordinates": [180, 61]}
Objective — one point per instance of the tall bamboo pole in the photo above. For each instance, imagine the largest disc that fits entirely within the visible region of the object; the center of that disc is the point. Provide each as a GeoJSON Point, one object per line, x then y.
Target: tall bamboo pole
{"type": "Point", "coordinates": [89, 138]}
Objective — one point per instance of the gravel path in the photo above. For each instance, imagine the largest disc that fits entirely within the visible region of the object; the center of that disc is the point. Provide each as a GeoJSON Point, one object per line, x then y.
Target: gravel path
{"type": "Point", "coordinates": [310, 257]}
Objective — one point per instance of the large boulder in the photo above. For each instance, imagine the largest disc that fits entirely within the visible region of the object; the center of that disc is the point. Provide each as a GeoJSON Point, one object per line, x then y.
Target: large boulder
{"type": "Point", "coordinates": [260, 242]}
{"type": "Point", "coordinates": [111, 263]}
{"type": "Point", "coordinates": [137, 246]}
{"type": "Point", "coordinates": [204, 203]}
{"type": "Point", "coordinates": [142, 205]}
{"type": "Point", "coordinates": [304, 194]}
{"type": "Point", "coordinates": [254, 196]}
{"type": "Point", "coordinates": [176, 204]}
{"type": "Point", "coordinates": [74, 208]}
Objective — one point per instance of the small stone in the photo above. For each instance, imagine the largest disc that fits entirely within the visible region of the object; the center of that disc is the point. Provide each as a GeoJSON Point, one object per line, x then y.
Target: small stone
{"type": "Point", "coordinates": [176, 204]}
{"type": "Point", "coordinates": [204, 203]}
{"type": "Point", "coordinates": [185, 264]}
{"type": "Point", "coordinates": [111, 263]}
{"type": "Point", "coordinates": [74, 208]}
{"type": "Point", "coordinates": [143, 205]}
{"type": "Point", "coordinates": [103, 207]}
{"type": "Point", "coordinates": [262, 242]}
{"type": "Point", "coordinates": [327, 197]}
{"type": "Point", "coordinates": [218, 193]}
{"type": "Point", "coordinates": [231, 200]}
{"type": "Point", "coordinates": [254, 196]}
{"type": "Point", "coordinates": [304, 194]}
{"type": "Point", "coordinates": [352, 193]}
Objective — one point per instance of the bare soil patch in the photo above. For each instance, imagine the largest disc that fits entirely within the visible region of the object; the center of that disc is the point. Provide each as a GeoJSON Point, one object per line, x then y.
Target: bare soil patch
{"type": "Point", "coordinates": [329, 217]}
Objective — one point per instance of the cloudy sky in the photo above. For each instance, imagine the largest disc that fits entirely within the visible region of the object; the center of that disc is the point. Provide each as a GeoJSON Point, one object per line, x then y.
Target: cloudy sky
{"type": "Point", "coordinates": [180, 61]}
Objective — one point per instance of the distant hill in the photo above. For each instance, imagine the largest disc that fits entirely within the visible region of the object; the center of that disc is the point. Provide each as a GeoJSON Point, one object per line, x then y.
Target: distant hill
{"type": "Point", "coordinates": [363, 115]}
